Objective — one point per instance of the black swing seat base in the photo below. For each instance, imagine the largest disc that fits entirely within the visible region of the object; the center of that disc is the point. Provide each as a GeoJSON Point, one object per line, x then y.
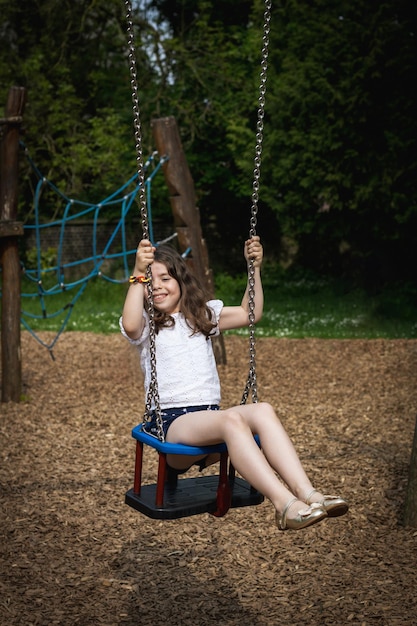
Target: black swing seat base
{"type": "Point", "coordinates": [192, 496]}
{"type": "Point", "coordinates": [214, 494]}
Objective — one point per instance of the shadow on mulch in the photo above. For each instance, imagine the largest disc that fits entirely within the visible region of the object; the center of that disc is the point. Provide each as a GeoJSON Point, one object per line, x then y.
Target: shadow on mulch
{"type": "Point", "coordinates": [73, 553]}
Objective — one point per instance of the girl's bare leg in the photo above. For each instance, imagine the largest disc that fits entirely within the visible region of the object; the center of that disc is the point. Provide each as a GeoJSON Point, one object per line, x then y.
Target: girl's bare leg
{"type": "Point", "coordinates": [277, 447]}
{"type": "Point", "coordinates": [236, 427]}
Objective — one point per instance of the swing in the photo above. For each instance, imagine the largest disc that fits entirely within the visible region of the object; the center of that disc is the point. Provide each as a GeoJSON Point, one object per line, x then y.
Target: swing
{"type": "Point", "coordinates": [202, 494]}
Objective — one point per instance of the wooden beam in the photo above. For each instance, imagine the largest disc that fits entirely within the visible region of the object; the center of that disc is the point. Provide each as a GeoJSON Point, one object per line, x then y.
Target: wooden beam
{"type": "Point", "coordinates": [9, 253]}
{"type": "Point", "coordinates": [181, 190]}
{"type": "Point", "coordinates": [11, 229]}
{"type": "Point", "coordinates": [184, 207]}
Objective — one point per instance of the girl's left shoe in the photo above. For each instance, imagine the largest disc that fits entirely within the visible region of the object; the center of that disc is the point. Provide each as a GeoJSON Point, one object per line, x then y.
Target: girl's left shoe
{"type": "Point", "coordinates": [305, 517]}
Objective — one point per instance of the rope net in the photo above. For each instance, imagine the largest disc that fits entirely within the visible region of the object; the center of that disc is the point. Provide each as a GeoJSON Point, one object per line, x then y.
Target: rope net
{"type": "Point", "coordinates": [50, 265]}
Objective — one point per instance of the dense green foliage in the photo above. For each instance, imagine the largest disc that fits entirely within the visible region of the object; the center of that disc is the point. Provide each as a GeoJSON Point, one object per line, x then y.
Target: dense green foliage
{"type": "Point", "coordinates": [71, 62]}
{"type": "Point", "coordinates": [338, 185]}
{"type": "Point", "coordinates": [343, 104]}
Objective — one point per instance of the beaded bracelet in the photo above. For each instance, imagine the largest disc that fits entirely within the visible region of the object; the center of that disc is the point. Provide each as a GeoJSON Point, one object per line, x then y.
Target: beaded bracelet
{"type": "Point", "coordinates": [138, 279]}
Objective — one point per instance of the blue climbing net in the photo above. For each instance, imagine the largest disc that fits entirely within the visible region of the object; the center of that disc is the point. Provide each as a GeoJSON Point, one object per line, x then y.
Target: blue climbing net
{"type": "Point", "coordinates": [42, 280]}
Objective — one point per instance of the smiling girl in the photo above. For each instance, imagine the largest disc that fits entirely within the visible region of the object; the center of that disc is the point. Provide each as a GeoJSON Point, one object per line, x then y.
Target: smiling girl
{"type": "Point", "coordinates": [189, 387]}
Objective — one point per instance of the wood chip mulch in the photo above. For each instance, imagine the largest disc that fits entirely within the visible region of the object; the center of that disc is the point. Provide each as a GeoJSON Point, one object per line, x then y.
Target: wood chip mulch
{"type": "Point", "coordinates": [73, 553]}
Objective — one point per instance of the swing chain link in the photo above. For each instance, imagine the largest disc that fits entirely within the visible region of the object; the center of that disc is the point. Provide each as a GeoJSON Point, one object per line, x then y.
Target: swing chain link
{"type": "Point", "coordinates": [136, 118]}
{"type": "Point", "coordinates": [251, 384]}
{"type": "Point", "coordinates": [152, 397]}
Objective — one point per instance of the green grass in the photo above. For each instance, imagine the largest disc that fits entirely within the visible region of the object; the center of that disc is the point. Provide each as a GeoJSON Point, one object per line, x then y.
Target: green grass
{"type": "Point", "coordinates": [294, 307]}
{"type": "Point", "coordinates": [97, 310]}
{"type": "Point", "coordinates": [316, 307]}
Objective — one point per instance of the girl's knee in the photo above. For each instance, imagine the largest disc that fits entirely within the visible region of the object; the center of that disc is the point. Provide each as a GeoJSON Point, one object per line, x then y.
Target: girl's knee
{"type": "Point", "coordinates": [266, 409]}
{"type": "Point", "coordinates": [265, 406]}
{"type": "Point", "coordinates": [233, 419]}
{"type": "Point", "coordinates": [266, 413]}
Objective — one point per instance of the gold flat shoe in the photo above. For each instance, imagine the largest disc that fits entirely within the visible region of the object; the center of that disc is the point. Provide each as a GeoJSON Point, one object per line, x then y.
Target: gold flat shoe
{"type": "Point", "coordinates": [305, 517]}
{"type": "Point", "coordinates": [333, 505]}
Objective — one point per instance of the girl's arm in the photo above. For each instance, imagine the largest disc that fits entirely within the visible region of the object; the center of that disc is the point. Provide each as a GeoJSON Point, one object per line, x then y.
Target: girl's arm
{"type": "Point", "coordinates": [238, 316]}
{"type": "Point", "coordinates": [132, 315]}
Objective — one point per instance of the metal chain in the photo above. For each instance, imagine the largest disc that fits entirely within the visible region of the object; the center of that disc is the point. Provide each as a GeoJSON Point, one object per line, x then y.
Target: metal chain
{"type": "Point", "coordinates": [251, 383]}
{"type": "Point", "coordinates": [152, 397]}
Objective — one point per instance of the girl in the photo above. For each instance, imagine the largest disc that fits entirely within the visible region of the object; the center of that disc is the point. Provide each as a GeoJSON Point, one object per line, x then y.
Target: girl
{"type": "Point", "coordinates": [189, 387]}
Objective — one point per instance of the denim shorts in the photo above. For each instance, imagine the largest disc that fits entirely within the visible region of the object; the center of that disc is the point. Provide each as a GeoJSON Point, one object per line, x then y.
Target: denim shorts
{"type": "Point", "coordinates": [170, 415]}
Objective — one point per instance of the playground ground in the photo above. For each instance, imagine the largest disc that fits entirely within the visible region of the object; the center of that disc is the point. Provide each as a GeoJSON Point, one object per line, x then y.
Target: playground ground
{"type": "Point", "coordinates": [73, 553]}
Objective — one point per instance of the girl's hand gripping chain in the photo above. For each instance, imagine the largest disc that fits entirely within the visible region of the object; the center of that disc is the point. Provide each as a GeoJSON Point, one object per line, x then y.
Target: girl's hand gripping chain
{"type": "Point", "coordinates": [254, 251]}
{"type": "Point", "coordinates": [133, 308]}
{"type": "Point", "coordinates": [144, 256]}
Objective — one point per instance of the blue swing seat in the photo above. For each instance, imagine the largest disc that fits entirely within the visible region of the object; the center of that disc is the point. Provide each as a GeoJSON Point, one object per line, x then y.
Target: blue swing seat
{"type": "Point", "coordinates": [174, 448]}
{"type": "Point", "coordinates": [190, 496]}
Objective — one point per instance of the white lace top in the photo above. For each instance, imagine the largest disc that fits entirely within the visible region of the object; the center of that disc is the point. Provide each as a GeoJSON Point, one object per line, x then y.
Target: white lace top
{"type": "Point", "coordinates": [185, 364]}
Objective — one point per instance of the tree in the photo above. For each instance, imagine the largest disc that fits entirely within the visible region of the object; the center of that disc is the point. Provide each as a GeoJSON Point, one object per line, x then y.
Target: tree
{"type": "Point", "coordinates": [340, 123]}
{"type": "Point", "coordinates": [72, 58]}
{"type": "Point", "coordinates": [212, 52]}
{"type": "Point", "coordinates": [338, 175]}
{"type": "Point", "coordinates": [341, 132]}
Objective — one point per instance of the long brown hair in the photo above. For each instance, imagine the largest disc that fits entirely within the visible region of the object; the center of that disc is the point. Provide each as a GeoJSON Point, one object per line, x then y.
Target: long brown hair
{"type": "Point", "coordinates": [193, 305]}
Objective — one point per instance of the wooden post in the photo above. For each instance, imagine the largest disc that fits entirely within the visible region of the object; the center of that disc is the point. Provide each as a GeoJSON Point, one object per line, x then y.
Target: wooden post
{"type": "Point", "coordinates": [183, 203]}
{"type": "Point", "coordinates": [10, 229]}
{"type": "Point", "coordinates": [410, 512]}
